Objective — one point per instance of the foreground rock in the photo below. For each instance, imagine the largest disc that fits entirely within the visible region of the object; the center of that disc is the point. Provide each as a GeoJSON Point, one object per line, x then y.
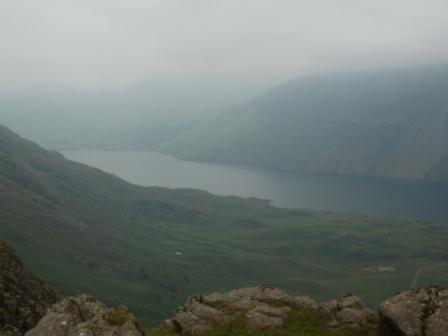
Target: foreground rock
{"type": "Point", "coordinates": [420, 312]}
{"type": "Point", "coordinates": [349, 310]}
{"type": "Point", "coordinates": [264, 308]}
{"type": "Point", "coordinates": [27, 306]}
{"type": "Point", "coordinates": [86, 316]}
{"type": "Point", "coordinates": [24, 299]}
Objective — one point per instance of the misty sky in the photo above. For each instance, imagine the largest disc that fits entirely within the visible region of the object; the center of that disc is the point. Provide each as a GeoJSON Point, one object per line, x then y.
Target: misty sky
{"type": "Point", "coordinates": [67, 66]}
{"type": "Point", "coordinates": [239, 47]}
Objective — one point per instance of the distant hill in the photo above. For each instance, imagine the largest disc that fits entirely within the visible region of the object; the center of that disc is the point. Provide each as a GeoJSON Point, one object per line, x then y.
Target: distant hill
{"type": "Point", "coordinates": [133, 118]}
{"type": "Point", "coordinates": [387, 123]}
{"type": "Point", "coordinates": [85, 231]}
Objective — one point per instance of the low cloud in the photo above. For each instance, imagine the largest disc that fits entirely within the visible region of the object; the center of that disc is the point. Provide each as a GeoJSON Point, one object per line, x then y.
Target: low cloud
{"type": "Point", "coordinates": [112, 44]}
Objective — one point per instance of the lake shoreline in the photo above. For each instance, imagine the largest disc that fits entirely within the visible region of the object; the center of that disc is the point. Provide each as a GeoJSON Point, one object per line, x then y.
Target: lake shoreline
{"type": "Point", "coordinates": [415, 199]}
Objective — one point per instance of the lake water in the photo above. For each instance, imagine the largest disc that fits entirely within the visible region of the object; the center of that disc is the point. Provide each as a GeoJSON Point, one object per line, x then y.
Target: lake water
{"type": "Point", "coordinates": [414, 199]}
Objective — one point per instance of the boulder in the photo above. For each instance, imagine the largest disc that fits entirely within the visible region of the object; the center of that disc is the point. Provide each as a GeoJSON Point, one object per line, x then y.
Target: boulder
{"type": "Point", "coordinates": [272, 295]}
{"type": "Point", "coordinates": [417, 312]}
{"type": "Point", "coordinates": [262, 307]}
{"type": "Point", "coordinates": [198, 318]}
{"type": "Point", "coordinates": [186, 322]}
{"type": "Point", "coordinates": [349, 310]}
{"type": "Point", "coordinates": [259, 322]}
{"type": "Point", "coordinates": [249, 297]}
{"type": "Point", "coordinates": [24, 299]}
{"type": "Point", "coordinates": [264, 317]}
{"type": "Point", "coordinates": [86, 316]}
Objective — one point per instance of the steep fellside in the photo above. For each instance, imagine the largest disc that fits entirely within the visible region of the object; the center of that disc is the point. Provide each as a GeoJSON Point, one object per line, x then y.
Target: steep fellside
{"type": "Point", "coordinates": [24, 299]}
{"type": "Point", "coordinates": [387, 123]}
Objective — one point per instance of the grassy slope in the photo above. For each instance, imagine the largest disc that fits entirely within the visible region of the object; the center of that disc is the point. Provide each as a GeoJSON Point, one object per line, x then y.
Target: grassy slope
{"type": "Point", "coordinates": [87, 231]}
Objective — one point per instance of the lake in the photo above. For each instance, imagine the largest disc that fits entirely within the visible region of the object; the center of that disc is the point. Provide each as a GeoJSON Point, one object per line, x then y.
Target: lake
{"type": "Point", "coordinates": [375, 196]}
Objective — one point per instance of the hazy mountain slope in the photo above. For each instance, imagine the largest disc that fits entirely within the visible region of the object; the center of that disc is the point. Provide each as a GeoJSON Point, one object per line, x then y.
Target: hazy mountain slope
{"type": "Point", "coordinates": [125, 119]}
{"type": "Point", "coordinates": [83, 230]}
{"type": "Point", "coordinates": [390, 123]}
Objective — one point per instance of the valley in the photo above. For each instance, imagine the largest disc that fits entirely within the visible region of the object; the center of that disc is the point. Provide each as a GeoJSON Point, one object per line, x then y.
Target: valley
{"type": "Point", "coordinates": [84, 230]}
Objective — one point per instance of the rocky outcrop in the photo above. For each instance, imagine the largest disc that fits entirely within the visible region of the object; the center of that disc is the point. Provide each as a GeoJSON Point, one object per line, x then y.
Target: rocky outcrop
{"type": "Point", "coordinates": [86, 316]}
{"type": "Point", "coordinates": [349, 310]}
{"type": "Point", "coordinates": [24, 299]}
{"type": "Point", "coordinates": [244, 298]}
{"type": "Point", "coordinates": [28, 307]}
{"type": "Point", "coordinates": [419, 312]}
{"type": "Point", "coordinates": [264, 308]}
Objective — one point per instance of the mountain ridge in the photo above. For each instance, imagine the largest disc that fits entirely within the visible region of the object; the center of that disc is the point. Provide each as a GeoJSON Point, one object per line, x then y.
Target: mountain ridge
{"type": "Point", "coordinates": [390, 123]}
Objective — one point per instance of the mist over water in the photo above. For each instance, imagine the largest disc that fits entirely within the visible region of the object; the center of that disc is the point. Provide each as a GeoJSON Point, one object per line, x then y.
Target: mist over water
{"type": "Point", "coordinates": [375, 196]}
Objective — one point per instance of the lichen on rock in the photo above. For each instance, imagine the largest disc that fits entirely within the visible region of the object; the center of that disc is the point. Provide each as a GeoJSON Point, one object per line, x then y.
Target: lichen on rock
{"type": "Point", "coordinates": [264, 308]}
{"type": "Point", "coordinates": [349, 310]}
{"type": "Point", "coordinates": [417, 312]}
{"type": "Point", "coordinates": [86, 316]}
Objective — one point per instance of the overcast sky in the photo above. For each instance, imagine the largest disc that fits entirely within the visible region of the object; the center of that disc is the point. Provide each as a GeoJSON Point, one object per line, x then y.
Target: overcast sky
{"type": "Point", "coordinates": [111, 44]}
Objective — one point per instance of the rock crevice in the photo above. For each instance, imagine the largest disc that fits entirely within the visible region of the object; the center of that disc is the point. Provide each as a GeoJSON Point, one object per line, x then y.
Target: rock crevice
{"type": "Point", "coordinates": [417, 312]}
